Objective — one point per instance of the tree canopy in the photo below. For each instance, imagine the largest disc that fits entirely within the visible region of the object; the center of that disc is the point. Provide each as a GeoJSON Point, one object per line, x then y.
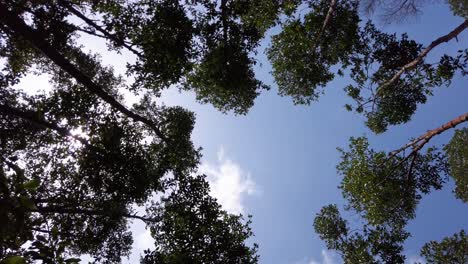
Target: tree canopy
{"type": "Point", "coordinates": [390, 78]}
{"type": "Point", "coordinates": [76, 159]}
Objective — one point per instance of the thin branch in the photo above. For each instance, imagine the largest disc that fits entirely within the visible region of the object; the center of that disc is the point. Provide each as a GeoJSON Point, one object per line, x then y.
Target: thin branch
{"type": "Point", "coordinates": [419, 143]}
{"type": "Point", "coordinates": [93, 33]}
{"type": "Point", "coordinates": [19, 27]}
{"type": "Point", "coordinates": [410, 169]}
{"type": "Point", "coordinates": [411, 65]}
{"type": "Point", "coordinates": [4, 183]}
{"type": "Point", "coordinates": [90, 22]}
{"type": "Point", "coordinates": [90, 32]}
{"type": "Point", "coordinates": [41, 230]}
{"type": "Point", "coordinates": [61, 210]}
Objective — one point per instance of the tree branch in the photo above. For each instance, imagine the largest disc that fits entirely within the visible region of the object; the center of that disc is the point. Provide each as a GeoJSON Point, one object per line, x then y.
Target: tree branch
{"type": "Point", "coordinates": [90, 32]}
{"type": "Point", "coordinates": [62, 210]}
{"type": "Point", "coordinates": [327, 20]}
{"type": "Point", "coordinates": [19, 27]}
{"type": "Point", "coordinates": [422, 140]}
{"type": "Point", "coordinates": [90, 22]}
{"type": "Point", "coordinates": [411, 65]}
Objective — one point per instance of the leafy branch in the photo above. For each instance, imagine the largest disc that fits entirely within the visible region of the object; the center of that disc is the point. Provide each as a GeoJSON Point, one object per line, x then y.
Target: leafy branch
{"type": "Point", "coordinates": [411, 65]}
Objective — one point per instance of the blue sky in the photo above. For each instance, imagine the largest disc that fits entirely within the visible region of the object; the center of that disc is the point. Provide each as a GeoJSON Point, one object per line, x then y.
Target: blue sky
{"type": "Point", "coordinates": [278, 162]}
{"type": "Point", "coordinates": [289, 153]}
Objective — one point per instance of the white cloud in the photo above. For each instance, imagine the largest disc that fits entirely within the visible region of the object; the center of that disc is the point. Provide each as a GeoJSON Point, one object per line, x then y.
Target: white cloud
{"type": "Point", "coordinates": [229, 183]}
{"type": "Point", "coordinates": [328, 257]}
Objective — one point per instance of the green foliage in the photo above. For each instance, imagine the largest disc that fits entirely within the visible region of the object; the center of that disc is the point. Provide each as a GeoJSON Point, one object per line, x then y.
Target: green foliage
{"type": "Point", "coordinates": [196, 45]}
{"type": "Point", "coordinates": [73, 166]}
{"type": "Point", "coordinates": [369, 244]}
{"type": "Point", "coordinates": [459, 8]}
{"type": "Point", "coordinates": [397, 102]}
{"type": "Point", "coordinates": [386, 189]}
{"type": "Point", "coordinates": [457, 152]}
{"type": "Point", "coordinates": [194, 229]}
{"type": "Point", "coordinates": [13, 260]}
{"type": "Point", "coordinates": [81, 196]}
{"type": "Point", "coordinates": [32, 184]}
{"type": "Point", "coordinates": [231, 86]}
{"type": "Point", "coordinates": [164, 35]}
{"type": "Point", "coordinates": [71, 193]}
{"type": "Point", "coordinates": [452, 249]}
{"type": "Point", "coordinates": [390, 80]}
{"type": "Point", "coordinates": [378, 59]}
{"type": "Point", "coordinates": [302, 58]}
{"type": "Point", "coordinates": [199, 46]}
{"type": "Point", "coordinates": [330, 226]}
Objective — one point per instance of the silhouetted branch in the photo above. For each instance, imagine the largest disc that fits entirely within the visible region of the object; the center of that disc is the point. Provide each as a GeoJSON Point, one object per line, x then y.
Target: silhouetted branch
{"type": "Point", "coordinates": [62, 210]}
{"type": "Point", "coordinates": [90, 22]}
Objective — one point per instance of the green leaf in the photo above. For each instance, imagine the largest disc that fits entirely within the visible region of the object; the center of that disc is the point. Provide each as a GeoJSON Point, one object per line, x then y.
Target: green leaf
{"type": "Point", "coordinates": [32, 184]}
{"type": "Point", "coordinates": [28, 203]}
{"type": "Point", "coordinates": [13, 260]}
{"type": "Point", "coordinates": [348, 107]}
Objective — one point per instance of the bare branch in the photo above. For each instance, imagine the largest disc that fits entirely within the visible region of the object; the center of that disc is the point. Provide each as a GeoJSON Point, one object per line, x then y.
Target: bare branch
{"type": "Point", "coordinates": [419, 142]}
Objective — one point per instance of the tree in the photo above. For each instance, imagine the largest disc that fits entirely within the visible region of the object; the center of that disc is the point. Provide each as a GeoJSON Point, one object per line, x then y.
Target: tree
{"type": "Point", "coordinates": [459, 8]}
{"type": "Point", "coordinates": [75, 160]}
{"type": "Point", "coordinates": [371, 244]}
{"type": "Point", "coordinates": [195, 230]}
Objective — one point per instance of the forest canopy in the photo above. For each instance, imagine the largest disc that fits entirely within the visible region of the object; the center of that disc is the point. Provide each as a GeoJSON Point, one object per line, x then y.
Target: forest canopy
{"type": "Point", "coordinates": [76, 159]}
